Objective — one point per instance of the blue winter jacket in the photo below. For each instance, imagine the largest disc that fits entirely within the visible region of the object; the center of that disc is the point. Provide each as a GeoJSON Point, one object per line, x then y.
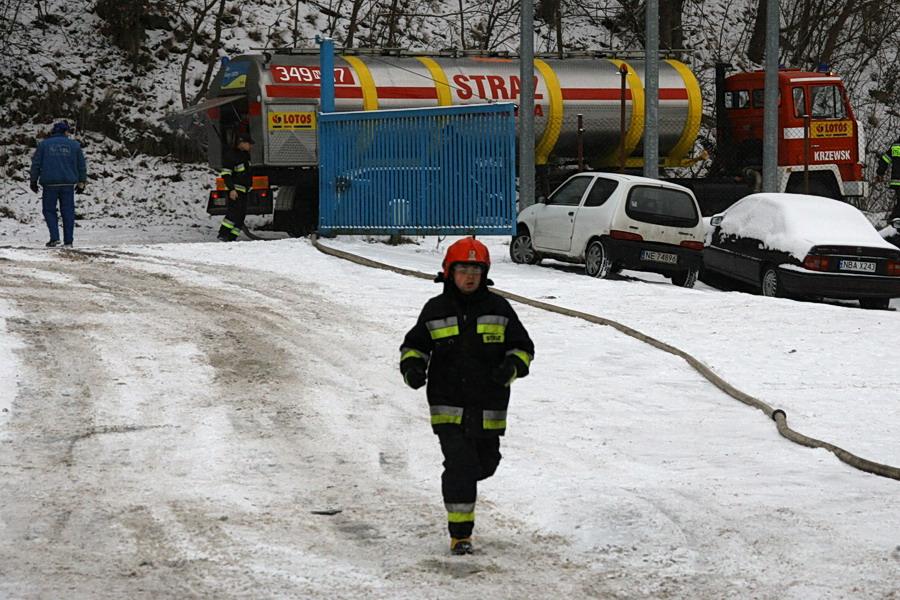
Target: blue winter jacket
{"type": "Point", "coordinates": [58, 160]}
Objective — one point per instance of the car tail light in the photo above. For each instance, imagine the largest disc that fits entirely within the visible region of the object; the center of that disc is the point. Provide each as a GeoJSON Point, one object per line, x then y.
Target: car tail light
{"type": "Point", "coordinates": [893, 267]}
{"type": "Point", "coordinates": [814, 262]}
{"type": "Point", "coordinates": [692, 245]}
{"type": "Point", "coordinates": [625, 235]}
{"type": "Point", "coordinates": [214, 195]}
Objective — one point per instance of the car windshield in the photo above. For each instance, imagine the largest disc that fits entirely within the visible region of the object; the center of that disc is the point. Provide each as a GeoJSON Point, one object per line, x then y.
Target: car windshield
{"type": "Point", "coordinates": [662, 206]}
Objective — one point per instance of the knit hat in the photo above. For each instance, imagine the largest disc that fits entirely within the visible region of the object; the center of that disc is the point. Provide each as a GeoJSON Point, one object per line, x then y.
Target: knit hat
{"type": "Point", "coordinates": [60, 127]}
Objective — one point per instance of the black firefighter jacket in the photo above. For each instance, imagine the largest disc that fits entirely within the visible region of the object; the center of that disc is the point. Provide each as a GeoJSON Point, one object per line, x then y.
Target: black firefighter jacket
{"type": "Point", "coordinates": [236, 171]}
{"type": "Point", "coordinates": [891, 159]}
{"type": "Point", "coordinates": [462, 339]}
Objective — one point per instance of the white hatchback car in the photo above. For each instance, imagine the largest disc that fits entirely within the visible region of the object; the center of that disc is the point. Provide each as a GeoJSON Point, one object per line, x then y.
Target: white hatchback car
{"type": "Point", "coordinates": [611, 222]}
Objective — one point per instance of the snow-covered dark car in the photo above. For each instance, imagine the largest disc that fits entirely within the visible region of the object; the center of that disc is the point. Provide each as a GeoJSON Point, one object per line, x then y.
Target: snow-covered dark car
{"type": "Point", "coordinates": [795, 245]}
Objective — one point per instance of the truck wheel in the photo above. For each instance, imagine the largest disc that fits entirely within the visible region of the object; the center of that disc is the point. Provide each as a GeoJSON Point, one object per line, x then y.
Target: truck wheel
{"type": "Point", "coordinates": [771, 284]}
{"type": "Point", "coordinates": [686, 279]}
{"type": "Point", "coordinates": [876, 303]}
{"type": "Point", "coordinates": [596, 260]}
{"type": "Point", "coordinates": [521, 251]}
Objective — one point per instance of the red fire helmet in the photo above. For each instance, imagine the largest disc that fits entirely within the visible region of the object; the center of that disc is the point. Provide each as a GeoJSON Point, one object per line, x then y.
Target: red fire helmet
{"type": "Point", "coordinates": [467, 250]}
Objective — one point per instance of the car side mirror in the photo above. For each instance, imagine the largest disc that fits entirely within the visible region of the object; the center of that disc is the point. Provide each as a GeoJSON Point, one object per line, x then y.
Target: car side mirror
{"type": "Point", "coordinates": [716, 221]}
{"type": "Point", "coordinates": [540, 200]}
{"type": "Point", "coordinates": [896, 223]}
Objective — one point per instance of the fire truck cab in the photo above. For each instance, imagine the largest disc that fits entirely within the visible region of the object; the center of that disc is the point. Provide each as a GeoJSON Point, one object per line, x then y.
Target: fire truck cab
{"type": "Point", "coordinates": [817, 130]}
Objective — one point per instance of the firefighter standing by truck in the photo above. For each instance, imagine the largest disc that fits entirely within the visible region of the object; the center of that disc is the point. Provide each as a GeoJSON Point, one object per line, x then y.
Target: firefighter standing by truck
{"type": "Point", "coordinates": [892, 159]}
{"type": "Point", "coordinates": [469, 345]}
{"type": "Point", "coordinates": [237, 174]}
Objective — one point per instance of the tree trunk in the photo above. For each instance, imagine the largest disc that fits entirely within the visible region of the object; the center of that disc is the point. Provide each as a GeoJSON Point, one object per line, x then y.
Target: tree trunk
{"type": "Point", "coordinates": [756, 48]}
{"type": "Point", "coordinates": [351, 28]}
{"type": "Point", "coordinates": [671, 29]}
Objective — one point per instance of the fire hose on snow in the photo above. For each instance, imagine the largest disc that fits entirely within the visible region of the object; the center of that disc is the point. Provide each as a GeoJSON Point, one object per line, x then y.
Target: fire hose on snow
{"type": "Point", "coordinates": [777, 415]}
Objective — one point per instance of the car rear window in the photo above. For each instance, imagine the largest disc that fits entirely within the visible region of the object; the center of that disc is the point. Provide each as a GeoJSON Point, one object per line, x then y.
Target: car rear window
{"type": "Point", "coordinates": [662, 206]}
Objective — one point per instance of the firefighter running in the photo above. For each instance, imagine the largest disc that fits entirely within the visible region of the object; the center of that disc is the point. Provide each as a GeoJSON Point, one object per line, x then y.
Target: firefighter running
{"type": "Point", "coordinates": [469, 345]}
{"type": "Point", "coordinates": [237, 174]}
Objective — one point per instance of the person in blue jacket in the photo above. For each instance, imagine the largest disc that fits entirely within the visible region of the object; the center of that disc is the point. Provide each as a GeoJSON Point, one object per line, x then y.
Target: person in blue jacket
{"type": "Point", "coordinates": [58, 165]}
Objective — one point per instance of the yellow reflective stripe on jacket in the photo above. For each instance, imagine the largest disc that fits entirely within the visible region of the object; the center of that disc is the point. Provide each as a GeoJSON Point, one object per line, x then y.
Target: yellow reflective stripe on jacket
{"type": "Point", "coordinates": [490, 328]}
{"type": "Point", "coordinates": [407, 352]}
{"type": "Point", "coordinates": [443, 415]}
{"type": "Point", "coordinates": [225, 172]}
{"type": "Point", "coordinates": [441, 328]}
{"type": "Point", "coordinates": [494, 419]}
{"type": "Point", "coordinates": [241, 188]}
{"type": "Point", "coordinates": [521, 355]}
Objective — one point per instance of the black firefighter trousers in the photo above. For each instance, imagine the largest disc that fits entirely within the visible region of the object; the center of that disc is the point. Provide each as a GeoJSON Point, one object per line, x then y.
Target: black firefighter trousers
{"type": "Point", "coordinates": [895, 213]}
{"type": "Point", "coordinates": [467, 460]}
{"type": "Point", "coordinates": [235, 213]}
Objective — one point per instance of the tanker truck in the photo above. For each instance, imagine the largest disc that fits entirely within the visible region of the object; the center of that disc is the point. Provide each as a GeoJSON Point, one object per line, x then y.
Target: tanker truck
{"type": "Point", "coordinates": [588, 109]}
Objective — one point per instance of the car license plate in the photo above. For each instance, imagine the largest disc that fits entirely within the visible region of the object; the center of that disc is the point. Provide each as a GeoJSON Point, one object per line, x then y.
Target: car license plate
{"type": "Point", "coordinates": [663, 257]}
{"type": "Point", "coordinates": [856, 265]}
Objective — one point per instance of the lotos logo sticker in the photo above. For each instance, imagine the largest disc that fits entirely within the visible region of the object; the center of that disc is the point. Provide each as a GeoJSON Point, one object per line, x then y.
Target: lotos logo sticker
{"type": "Point", "coordinates": [827, 129]}
{"type": "Point", "coordinates": [292, 120]}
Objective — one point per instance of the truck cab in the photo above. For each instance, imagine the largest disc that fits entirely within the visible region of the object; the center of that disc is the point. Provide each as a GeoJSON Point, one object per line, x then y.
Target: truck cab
{"type": "Point", "coordinates": [818, 135]}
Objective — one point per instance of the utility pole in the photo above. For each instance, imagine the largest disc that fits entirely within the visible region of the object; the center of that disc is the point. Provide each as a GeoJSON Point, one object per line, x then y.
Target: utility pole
{"type": "Point", "coordinates": [770, 98]}
{"type": "Point", "coordinates": [526, 105]}
{"type": "Point", "coordinates": [651, 91]}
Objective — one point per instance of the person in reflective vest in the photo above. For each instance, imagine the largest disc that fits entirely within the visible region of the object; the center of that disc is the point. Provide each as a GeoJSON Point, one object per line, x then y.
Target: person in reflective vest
{"type": "Point", "coordinates": [238, 177]}
{"type": "Point", "coordinates": [892, 159]}
{"type": "Point", "coordinates": [468, 345]}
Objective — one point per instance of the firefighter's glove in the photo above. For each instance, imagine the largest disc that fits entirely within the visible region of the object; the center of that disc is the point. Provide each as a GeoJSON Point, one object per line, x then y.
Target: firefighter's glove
{"type": "Point", "coordinates": [34, 187]}
{"type": "Point", "coordinates": [414, 376]}
{"type": "Point", "coordinates": [505, 373]}
{"type": "Point", "coordinates": [79, 187]}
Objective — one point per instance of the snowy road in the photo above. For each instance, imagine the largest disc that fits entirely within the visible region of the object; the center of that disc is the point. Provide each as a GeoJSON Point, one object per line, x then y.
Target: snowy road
{"type": "Point", "coordinates": [184, 428]}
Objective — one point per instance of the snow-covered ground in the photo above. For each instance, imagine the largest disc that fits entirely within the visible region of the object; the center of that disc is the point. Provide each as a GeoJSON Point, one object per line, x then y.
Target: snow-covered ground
{"type": "Point", "coordinates": [177, 414]}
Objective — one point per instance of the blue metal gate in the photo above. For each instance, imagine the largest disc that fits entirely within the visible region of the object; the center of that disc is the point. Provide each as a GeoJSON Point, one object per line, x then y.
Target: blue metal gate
{"type": "Point", "coordinates": [429, 171]}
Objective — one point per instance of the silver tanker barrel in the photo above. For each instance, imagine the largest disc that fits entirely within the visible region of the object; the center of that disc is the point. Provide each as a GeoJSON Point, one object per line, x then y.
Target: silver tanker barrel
{"type": "Point", "coordinates": [282, 90]}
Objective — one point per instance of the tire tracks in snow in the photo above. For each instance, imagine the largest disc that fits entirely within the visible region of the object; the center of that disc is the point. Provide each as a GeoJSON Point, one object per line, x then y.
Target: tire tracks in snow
{"type": "Point", "coordinates": [165, 439]}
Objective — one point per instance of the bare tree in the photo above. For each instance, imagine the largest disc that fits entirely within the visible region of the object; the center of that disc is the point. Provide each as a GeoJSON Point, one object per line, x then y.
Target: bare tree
{"type": "Point", "coordinates": [13, 33]}
{"type": "Point", "coordinates": [494, 24]}
{"type": "Point", "coordinates": [195, 24]}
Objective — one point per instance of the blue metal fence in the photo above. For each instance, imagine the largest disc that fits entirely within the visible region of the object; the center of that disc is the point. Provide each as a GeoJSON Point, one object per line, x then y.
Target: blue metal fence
{"type": "Point", "coordinates": [430, 171]}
